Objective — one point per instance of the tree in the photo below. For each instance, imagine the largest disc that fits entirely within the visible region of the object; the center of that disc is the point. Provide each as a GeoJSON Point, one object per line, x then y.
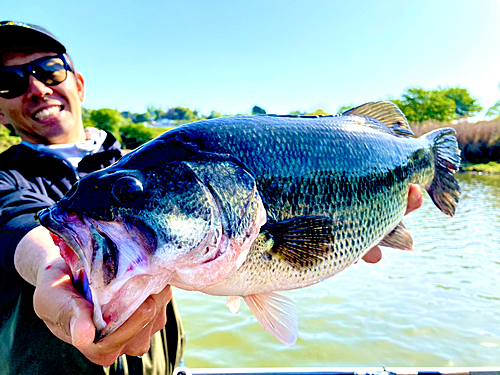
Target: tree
{"type": "Point", "coordinates": [442, 104]}
{"type": "Point", "coordinates": [108, 119]}
{"type": "Point", "coordinates": [134, 135]}
{"type": "Point", "coordinates": [215, 114]}
{"type": "Point", "coordinates": [494, 111]}
{"type": "Point", "coordinates": [256, 110]}
{"type": "Point", "coordinates": [344, 108]}
{"type": "Point", "coordinates": [128, 115]}
{"type": "Point", "coordinates": [7, 138]}
{"type": "Point", "coordinates": [182, 113]}
{"type": "Point", "coordinates": [136, 117]}
{"type": "Point", "coordinates": [87, 122]}
{"type": "Point", "coordinates": [419, 105]}
{"type": "Point", "coordinates": [318, 112]}
{"type": "Point", "coordinates": [156, 112]}
{"type": "Point", "coordinates": [86, 113]}
{"type": "Point", "coordinates": [465, 104]}
{"type": "Point", "coordinates": [142, 117]}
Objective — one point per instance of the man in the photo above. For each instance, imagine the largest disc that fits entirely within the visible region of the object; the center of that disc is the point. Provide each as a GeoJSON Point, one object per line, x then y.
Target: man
{"type": "Point", "coordinates": [45, 325]}
{"type": "Point", "coordinates": [40, 96]}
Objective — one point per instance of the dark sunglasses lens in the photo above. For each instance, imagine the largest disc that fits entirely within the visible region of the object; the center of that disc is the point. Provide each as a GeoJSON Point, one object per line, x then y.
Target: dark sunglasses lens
{"type": "Point", "coordinates": [50, 71]}
{"type": "Point", "coordinates": [12, 83]}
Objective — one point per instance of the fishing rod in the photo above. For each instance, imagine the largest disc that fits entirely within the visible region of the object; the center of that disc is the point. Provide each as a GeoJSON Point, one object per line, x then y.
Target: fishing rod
{"type": "Point", "coordinates": [183, 370]}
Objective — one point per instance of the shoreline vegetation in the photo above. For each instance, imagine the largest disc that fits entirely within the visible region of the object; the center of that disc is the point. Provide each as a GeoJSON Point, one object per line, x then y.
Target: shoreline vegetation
{"type": "Point", "coordinates": [426, 110]}
{"type": "Point", "coordinates": [489, 168]}
{"type": "Point", "coordinates": [479, 142]}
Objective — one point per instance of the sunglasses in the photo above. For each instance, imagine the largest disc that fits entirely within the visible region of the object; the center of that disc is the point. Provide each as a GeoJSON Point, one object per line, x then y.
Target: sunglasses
{"type": "Point", "coordinates": [50, 70]}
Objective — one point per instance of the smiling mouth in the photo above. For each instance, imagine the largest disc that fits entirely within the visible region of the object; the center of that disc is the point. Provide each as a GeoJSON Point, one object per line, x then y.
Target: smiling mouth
{"type": "Point", "coordinates": [47, 112]}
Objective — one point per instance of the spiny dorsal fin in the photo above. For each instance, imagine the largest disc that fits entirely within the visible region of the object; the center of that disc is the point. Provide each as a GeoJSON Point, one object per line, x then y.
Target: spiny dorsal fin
{"type": "Point", "coordinates": [387, 113]}
{"type": "Point", "coordinates": [300, 241]}
{"type": "Point", "coordinates": [399, 238]}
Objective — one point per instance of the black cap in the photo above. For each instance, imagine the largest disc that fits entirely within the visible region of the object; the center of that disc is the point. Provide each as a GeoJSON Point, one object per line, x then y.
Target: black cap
{"type": "Point", "coordinates": [20, 34]}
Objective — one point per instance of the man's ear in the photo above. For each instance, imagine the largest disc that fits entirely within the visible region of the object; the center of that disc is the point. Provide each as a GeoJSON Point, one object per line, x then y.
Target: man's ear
{"type": "Point", "coordinates": [80, 86]}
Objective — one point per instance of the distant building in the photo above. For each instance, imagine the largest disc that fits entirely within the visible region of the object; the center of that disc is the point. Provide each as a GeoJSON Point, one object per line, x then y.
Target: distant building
{"type": "Point", "coordinates": [163, 122]}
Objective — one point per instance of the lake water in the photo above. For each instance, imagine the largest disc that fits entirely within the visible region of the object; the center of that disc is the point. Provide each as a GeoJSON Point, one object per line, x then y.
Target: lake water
{"type": "Point", "coordinates": [438, 306]}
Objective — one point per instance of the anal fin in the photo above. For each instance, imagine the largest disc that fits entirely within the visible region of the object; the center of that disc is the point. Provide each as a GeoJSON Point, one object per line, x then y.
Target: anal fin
{"type": "Point", "coordinates": [276, 314]}
{"type": "Point", "coordinates": [399, 238]}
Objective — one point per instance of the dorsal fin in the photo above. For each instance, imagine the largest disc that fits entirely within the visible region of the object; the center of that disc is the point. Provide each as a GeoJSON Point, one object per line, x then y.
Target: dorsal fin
{"type": "Point", "coordinates": [387, 113]}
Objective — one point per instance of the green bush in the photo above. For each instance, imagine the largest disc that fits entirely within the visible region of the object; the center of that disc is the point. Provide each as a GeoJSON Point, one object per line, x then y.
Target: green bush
{"type": "Point", "coordinates": [6, 139]}
{"type": "Point", "coordinates": [134, 135]}
{"type": "Point", "coordinates": [491, 167]}
{"type": "Point", "coordinates": [442, 104]}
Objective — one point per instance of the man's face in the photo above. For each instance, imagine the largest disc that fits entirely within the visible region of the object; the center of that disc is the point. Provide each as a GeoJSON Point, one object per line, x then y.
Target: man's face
{"type": "Point", "coordinates": [45, 114]}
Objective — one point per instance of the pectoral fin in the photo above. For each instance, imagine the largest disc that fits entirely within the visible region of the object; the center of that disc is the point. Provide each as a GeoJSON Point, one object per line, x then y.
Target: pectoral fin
{"type": "Point", "coordinates": [276, 314]}
{"type": "Point", "coordinates": [302, 240]}
{"type": "Point", "coordinates": [399, 238]}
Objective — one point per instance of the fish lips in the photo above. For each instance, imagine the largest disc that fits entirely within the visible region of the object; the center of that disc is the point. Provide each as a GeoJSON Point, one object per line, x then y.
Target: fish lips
{"type": "Point", "coordinates": [85, 237]}
{"type": "Point", "coordinates": [57, 222]}
{"type": "Point", "coordinates": [114, 294]}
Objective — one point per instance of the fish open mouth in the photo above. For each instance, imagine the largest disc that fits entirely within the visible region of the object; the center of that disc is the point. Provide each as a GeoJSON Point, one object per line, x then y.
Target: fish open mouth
{"type": "Point", "coordinates": [190, 239]}
{"type": "Point", "coordinates": [110, 265]}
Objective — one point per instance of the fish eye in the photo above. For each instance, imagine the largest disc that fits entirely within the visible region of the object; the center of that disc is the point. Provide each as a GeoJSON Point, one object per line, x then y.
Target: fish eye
{"type": "Point", "coordinates": [127, 189]}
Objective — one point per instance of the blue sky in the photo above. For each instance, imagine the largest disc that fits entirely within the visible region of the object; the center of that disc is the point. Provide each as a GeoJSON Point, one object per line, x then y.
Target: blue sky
{"type": "Point", "coordinates": [280, 55]}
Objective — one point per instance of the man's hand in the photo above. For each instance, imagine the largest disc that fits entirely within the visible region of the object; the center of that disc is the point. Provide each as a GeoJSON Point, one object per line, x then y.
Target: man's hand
{"type": "Point", "coordinates": [69, 316]}
{"type": "Point", "coordinates": [415, 200]}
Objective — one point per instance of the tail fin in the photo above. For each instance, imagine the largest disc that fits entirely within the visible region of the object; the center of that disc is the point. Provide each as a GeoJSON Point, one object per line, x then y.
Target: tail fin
{"type": "Point", "coordinates": [444, 190]}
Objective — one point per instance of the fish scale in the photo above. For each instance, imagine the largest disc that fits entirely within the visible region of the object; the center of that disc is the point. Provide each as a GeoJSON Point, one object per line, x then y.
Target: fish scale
{"type": "Point", "coordinates": [248, 206]}
{"type": "Point", "coordinates": [361, 226]}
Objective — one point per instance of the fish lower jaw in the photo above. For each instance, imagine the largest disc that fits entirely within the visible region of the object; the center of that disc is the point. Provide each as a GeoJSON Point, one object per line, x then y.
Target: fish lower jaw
{"type": "Point", "coordinates": [126, 301]}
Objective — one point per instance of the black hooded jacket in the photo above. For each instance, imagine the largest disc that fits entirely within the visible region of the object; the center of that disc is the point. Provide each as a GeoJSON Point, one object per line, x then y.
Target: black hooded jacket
{"type": "Point", "coordinates": [29, 182]}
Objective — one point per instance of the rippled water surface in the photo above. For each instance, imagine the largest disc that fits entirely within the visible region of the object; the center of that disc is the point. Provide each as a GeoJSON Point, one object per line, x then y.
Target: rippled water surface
{"type": "Point", "coordinates": [439, 306]}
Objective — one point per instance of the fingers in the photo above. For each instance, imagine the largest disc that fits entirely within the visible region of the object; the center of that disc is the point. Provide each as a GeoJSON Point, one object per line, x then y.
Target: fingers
{"type": "Point", "coordinates": [141, 343]}
{"type": "Point", "coordinates": [134, 336]}
{"type": "Point", "coordinates": [373, 256]}
{"type": "Point", "coordinates": [415, 199]}
{"type": "Point", "coordinates": [61, 307]}
{"type": "Point", "coordinates": [130, 338]}
{"type": "Point", "coordinates": [69, 317]}
{"type": "Point", "coordinates": [161, 300]}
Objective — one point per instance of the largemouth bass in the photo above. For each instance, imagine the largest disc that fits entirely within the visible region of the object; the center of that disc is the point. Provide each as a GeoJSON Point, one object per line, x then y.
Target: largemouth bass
{"type": "Point", "coordinates": [247, 206]}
